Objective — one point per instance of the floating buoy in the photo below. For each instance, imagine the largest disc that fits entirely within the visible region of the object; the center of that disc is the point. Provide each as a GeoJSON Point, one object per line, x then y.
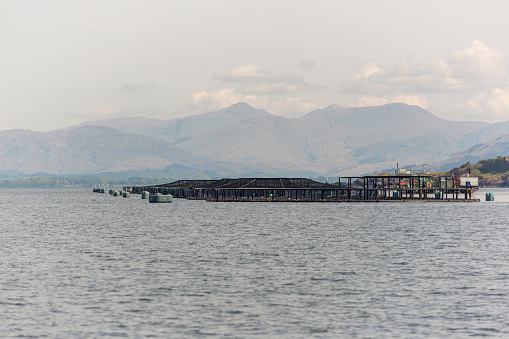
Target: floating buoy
{"type": "Point", "coordinates": [158, 197]}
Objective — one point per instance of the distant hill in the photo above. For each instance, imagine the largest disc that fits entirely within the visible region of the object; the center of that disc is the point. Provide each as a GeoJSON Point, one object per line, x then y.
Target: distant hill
{"type": "Point", "coordinates": [491, 172]}
{"type": "Point", "coordinates": [334, 140]}
{"type": "Point", "coordinates": [485, 150]}
{"type": "Point", "coordinates": [85, 150]}
{"type": "Point", "coordinates": [241, 140]}
{"type": "Point", "coordinates": [177, 130]}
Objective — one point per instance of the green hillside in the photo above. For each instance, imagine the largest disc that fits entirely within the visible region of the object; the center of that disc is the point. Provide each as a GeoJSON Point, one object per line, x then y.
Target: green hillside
{"type": "Point", "coordinates": [491, 172]}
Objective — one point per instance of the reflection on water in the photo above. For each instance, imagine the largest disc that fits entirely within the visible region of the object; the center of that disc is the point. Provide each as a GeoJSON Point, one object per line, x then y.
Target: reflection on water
{"type": "Point", "coordinates": [82, 264]}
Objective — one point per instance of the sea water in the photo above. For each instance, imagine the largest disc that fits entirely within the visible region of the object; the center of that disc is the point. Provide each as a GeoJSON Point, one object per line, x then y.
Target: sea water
{"type": "Point", "coordinates": [75, 264]}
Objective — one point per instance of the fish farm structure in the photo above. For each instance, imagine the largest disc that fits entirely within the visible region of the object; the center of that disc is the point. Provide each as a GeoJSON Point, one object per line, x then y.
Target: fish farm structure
{"type": "Point", "coordinates": [374, 188]}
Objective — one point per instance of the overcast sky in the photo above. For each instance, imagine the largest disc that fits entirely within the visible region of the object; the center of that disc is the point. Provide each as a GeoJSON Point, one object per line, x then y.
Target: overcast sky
{"type": "Point", "coordinates": [65, 62]}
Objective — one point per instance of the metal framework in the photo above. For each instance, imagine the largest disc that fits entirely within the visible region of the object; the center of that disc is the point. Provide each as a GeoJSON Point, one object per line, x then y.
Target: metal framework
{"type": "Point", "coordinates": [396, 188]}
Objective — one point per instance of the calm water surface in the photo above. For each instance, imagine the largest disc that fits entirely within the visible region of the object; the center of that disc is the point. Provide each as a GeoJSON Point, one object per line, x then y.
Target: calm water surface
{"type": "Point", "coordinates": [74, 264]}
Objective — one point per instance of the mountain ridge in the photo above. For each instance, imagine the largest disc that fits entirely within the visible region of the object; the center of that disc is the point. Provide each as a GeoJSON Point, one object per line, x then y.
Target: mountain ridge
{"type": "Point", "coordinates": [243, 139]}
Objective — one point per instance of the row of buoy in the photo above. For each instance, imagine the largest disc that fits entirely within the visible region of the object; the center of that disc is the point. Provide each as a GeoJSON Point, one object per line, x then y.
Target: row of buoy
{"type": "Point", "coordinates": [116, 193]}
{"type": "Point", "coordinates": [154, 198]}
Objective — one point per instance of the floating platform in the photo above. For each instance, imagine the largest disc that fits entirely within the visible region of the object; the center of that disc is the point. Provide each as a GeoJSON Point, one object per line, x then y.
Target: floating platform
{"type": "Point", "coordinates": [376, 188]}
{"type": "Point", "coordinates": [346, 201]}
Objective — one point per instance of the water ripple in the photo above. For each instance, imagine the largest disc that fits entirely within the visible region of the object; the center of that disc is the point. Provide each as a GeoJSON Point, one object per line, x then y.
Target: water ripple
{"type": "Point", "coordinates": [82, 264]}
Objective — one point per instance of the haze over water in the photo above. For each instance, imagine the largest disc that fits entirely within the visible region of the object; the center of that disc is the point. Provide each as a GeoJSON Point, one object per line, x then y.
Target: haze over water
{"type": "Point", "coordinates": [81, 264]}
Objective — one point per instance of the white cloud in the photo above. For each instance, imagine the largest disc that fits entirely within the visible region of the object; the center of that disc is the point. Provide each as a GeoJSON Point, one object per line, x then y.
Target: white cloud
{"type": "Point", "coordinates": [469, 69]}
{"type": "Point", "coordinates": [204, 101]}
{"type": "Point", "coordinates": [470, 83]}
{"type": "Point", "coordinates": [478, 62]}
{"type": "Point", "coordinates": [365, 100]}
{"type": "Point", "coordinates": [251, 78]}
{"type": "Point", "coordinates": [249, 70]}
{"type": "Point", "coordinates": [276, 93]}
{"type": "Point", "coordinates": [493, 105]}
{"type": "Point", "coordinates": [290, 107]}
{"type": "Point", "coordinates": [367, 70]}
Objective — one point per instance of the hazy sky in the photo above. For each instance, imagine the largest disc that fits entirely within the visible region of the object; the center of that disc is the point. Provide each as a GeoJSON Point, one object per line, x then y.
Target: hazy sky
{"type": "Point", "coordinates": [65, 62]}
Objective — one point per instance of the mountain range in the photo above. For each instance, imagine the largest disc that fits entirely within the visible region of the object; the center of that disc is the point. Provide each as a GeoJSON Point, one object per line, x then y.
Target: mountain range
{"type": "Point", "coordinates": [241, 140]}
